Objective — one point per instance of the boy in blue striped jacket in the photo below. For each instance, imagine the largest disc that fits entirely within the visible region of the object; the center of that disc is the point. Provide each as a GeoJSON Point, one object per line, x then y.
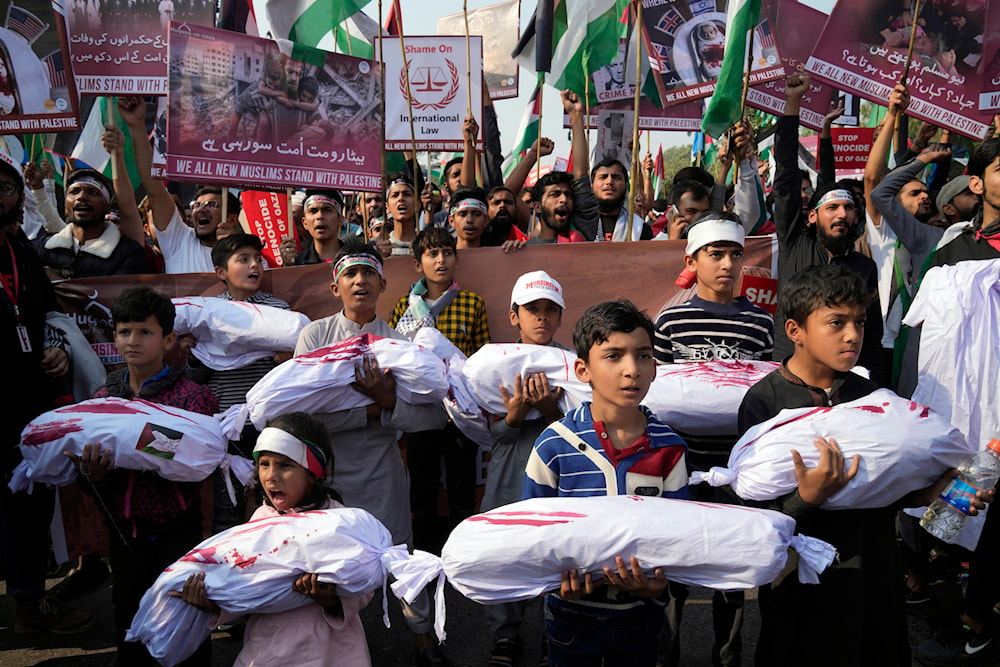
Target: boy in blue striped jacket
{"type": "Point", "coordinates": [610, 446]}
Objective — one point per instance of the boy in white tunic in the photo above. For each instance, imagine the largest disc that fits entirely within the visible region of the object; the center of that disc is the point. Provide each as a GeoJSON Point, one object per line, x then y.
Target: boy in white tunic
{"type": "Point", "coordinates": [370, 473]}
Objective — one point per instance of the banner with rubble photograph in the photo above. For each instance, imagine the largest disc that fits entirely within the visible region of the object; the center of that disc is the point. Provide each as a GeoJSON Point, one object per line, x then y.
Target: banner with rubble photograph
{"type": "Point", "coordinates": [863, 50]}
{"type": "Point", "coordinates": [498, 25]}
{"type": "Point", "coordinates": [37, 91]}
{"type": "Point", "coordinates": [244, 112]}
{"type": "Point", "coordinates": [797, 27]}
{"type": "Point", "coordinates": [119, 47]}
{"type": "Point", "coordinates": [686, 42]}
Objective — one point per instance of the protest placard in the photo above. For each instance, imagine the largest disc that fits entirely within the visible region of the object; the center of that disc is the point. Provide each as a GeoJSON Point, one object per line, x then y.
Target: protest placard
{"type": "Point", "coordinates": [863, 50]}
{"type": "Point", "coordinates": [119, 47]}
{"type": "Point", "coordinates": [485, 271]}
{"type": "Point", "coordinates": [37, 90]}
{"type": "Point", "coordinates": [267, 215]}
{"type": "Point", "coordinates": [851, 147]}
{"type": "Point", "coordinates": [498, 25]}
{"type": "Point", "coordinates": [683, 117]}
{"type": "Point", "coordinates": [439, 90]}
{"type": "Point", "coordinates": [159, 139]}
{"type": "Point", "coordinates": [762, 291]}
{"type": "Point", "coordinates": [242, 112]}
{"type": "Point", "coordinates": [614, 136]}
{"type": "Point", "coordinates": [989, 96]}
{"type": "Point", "coordinates": [610, 82]}
{"type": "Point", "coordinates": [560, 164]}
{"type": "Point", "coordinates": [797, 28]}
{"type": "Point", "coordinates": [686, 41]}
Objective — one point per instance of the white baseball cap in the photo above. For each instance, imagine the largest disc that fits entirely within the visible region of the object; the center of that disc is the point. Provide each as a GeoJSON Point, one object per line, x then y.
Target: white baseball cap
{"type": "Point", "coordinates": [534, 286]}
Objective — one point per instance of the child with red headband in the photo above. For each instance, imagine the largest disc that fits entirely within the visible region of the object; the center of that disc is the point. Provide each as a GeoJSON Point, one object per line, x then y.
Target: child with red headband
{"type": "Point", "coordinates": [293, 456]}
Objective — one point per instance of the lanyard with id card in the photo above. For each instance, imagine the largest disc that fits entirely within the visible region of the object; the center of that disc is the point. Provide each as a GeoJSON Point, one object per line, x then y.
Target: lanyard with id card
{"type": "Point", "coordinates": [22, 331]}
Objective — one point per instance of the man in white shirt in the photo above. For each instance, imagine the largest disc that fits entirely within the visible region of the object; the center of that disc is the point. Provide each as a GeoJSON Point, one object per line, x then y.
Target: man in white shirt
{"type": "Point", "coordinates": [185, 249]}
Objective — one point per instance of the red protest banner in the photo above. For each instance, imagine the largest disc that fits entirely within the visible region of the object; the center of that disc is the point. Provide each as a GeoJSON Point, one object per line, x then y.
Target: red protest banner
{"type": "Point", "coordinates": [989, 96]}
{"type": "Point", "coordinates": [851, 147]}
{"type": "Point", "coordinates": [685, 117]}
{"type": "Point", "coordinates": [589, 273]}
{"type": "Point", "coordinates": [119, 47]}
{"type": "Point", "coordinates": [38, 92]}
{"type": "Point", "coordinates": [686, 41]}
{"type": "Point", "coordinates": [862, 50]}
{"type": "Point", "coordinates": [268, 216]}
{"type": "Point", "coordinates": [761, 291]}
{"type": "Point", "coordinates": [797, 28]}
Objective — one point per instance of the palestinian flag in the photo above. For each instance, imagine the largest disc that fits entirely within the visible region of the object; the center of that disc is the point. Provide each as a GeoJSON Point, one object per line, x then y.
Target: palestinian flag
{"type": "Point", "coordinates": [527, 133]}
{"type": "Point", "coordinates": [725, 108]}
{"type": "Point", "coordinates": [308, 21]}
{"type": "Point", "coordinates": [659, 176]}
{"type": "Point", "coordinates": [583, 41]}
{"type": "Point", "coordinates": [89, 152]}
{"type": "Point", "coordinates": [356, 36]}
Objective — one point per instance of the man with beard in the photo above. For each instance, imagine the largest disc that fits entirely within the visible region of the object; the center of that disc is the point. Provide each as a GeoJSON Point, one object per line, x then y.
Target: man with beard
{"type": "Point", "coordinates": [502, 216]}
{"type": "Point", "coordinates": [609, 180]}
{"type": "Point", "coordinates": [980, 239]}
{"type": "Point", "coordinates": [566, 203]}
{"type": "Point", "coordinates": [185, 249]}
{"type": "Point", "coordinates": [825, 235]}
{"type": "Point", "coordinates": [33, 354]}
{"type": "Point", "coordinates": [905, 205]}
{"type": "Point", "coordinates": [559, 206]}
{"type": "Point", "coordinates": [89, 245]}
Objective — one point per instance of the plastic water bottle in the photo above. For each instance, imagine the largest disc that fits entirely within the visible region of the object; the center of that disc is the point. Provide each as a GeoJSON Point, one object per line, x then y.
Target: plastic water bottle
{"type": "Point", "coordinates": [946, 516]}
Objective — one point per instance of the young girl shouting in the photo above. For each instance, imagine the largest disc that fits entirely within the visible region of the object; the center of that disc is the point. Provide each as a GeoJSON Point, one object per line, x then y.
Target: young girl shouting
{"type": "Point", "coordinates": [293, 456]}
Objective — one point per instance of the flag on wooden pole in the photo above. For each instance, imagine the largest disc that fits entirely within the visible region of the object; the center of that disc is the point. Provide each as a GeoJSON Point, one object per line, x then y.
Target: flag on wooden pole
{"type": "Point", "coordinates": [725, 107]}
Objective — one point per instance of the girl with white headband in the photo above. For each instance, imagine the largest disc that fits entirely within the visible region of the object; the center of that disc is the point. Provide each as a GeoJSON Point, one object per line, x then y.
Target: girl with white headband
{"type": "Point", "coordinates": [293, 457]}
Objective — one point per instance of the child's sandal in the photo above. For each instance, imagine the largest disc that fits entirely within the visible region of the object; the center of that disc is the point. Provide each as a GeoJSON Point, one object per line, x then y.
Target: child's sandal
{"type": "Point", "coordinates": [505, 652]}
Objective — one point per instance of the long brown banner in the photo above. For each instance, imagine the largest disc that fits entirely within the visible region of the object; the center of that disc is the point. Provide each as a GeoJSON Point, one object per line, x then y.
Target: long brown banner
{"type": "Point", "coordinates": [643, 272]}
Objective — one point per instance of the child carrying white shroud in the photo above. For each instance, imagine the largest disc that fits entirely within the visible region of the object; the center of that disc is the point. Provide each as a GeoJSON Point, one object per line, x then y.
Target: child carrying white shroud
{"type": "Point", "coordinates": [519, 551]}
{"type": "Point", "coordinates": [904, 447]}
{"type": "Point", "coordinates": [249, 569]}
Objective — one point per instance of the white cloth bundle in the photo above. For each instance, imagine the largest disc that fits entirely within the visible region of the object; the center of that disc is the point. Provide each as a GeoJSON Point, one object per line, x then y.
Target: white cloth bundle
{"type": "Point", "coordinates": [460, 403]}
{"type": "Point", "coordinates": [232, 334]}
{"type": "Point", "coordinates": [498, 363]}
{"type": "Point", "coordinates": [320, 381]}
{"type": "Point", "coordinates": [519, 551]}
{"type": "Point", "coordinates": [958, 312]}
{"type": "Point", "coordinates": [904, 447]}
{"type": "Point", "coordinates": [704, 398]}
{"type": "Point", "coordinates": [250, 569]}
{"type": "Point", "coordinates": [176, 444]}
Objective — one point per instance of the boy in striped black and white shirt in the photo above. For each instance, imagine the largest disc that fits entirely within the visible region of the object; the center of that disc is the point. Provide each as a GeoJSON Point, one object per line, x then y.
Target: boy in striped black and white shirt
{"type": "Point", "coordinates": [714, 325]}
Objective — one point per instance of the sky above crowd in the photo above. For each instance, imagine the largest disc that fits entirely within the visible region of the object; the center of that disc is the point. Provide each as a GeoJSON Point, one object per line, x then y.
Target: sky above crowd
{"type": "Point", "coordinates": [417, 20]}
